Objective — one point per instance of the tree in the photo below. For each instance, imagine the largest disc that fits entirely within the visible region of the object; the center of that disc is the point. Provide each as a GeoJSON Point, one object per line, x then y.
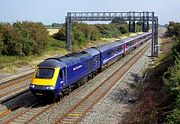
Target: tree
{"type": "Point", "coordinates": [55, 25]}
{"type": "Point", "coordinates": [1, 43]}
{"type": "Point", "coordinates": [61, 34]}
{"type": "Point", "coordinates": [23, 38]}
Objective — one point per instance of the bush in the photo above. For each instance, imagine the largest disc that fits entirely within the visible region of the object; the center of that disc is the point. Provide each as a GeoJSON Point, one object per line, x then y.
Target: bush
{"type": "Point", "coordinates": [23, 38]}
{"type": "Point", "coordinates": [11, 44]}
{"type": "Point", "coordinates": [1, 43]}
{"type": "Point", "coordinates": [82, 33]}
{"type": "Point", "coordinates": [172, 82]}
{"type": "Point", "coordinates": [61, 34]}
{"type": "Point", "coordinates": [172, 77]}
{"type": "Point", "coordinates": [123, 28]}
{"type": "Point", "coordinates": [173, 30]}
{"type": "Point", "coordinates": [93, 33]}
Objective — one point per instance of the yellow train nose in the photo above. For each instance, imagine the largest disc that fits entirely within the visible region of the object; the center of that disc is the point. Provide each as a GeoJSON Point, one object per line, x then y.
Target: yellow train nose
{"type": "Point", "coordinates": [42, 78]}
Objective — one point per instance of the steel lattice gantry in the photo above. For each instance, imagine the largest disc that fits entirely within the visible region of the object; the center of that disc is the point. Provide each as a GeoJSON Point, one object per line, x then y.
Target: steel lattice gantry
{"type": "Point", "coordinates": [131, 17]}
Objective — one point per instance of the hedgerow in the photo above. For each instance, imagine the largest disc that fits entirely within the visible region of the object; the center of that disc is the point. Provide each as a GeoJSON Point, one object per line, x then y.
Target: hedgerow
{"type": "Point", "coordinates": [172, 83]}
{"type": "Point", "coordinates": [172, 77]}
{"type": "Point", "coordinates": [22, 38]}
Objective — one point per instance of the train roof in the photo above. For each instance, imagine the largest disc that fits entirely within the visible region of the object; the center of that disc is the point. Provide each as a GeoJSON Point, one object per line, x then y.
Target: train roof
{"type": "Point", "coordinates": [108, 46]}
{"type": "Point", "coordinates": [135, 37]}
{"type": "Point", "coordinates": [51, 63]}
{"type": "Point", "coordinates": [73, 58]}
{"type": "Point", "coordinates": [93, 51]}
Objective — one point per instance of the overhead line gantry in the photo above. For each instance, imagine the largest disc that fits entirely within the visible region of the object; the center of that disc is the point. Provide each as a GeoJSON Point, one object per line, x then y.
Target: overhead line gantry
{"type": "Point", "coordinates": [131, 17]}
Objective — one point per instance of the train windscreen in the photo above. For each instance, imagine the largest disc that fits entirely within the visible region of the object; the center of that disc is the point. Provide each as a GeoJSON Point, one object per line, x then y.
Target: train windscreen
{"type": "Point", "coordinates": [44, 73]}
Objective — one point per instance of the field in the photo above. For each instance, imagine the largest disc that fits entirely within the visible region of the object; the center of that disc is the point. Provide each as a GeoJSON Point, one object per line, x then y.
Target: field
{"type": "Point", "coordinates": [53, 30]}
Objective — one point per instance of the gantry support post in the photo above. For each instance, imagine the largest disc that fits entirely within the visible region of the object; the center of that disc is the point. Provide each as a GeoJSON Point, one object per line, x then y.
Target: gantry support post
{"type": "Point", "coordinates": [130, 28]}
{"type": "Point", "coordinates": [156, 36]}
{"type": "Point", "coordinates": [134, 23]}
{"type": "Point", "coordinates": [152, 45]}
{"type": "Point", "coordinates": [68, 32]}
{"type": "Point", "coordinates": [133, 27]}
{"type": "Point", "coordinates": [143, 23]}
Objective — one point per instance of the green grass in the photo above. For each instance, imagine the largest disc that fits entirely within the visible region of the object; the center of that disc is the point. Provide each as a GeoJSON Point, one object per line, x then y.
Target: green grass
{"type": "Point", "coordinates": [55, 44]}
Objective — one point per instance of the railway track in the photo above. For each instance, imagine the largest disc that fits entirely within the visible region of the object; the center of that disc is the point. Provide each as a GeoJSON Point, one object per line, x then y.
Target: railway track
{"type": "Point", "coordinates": [26, 116]}
{"type": "Point", "coordinates": [9, 81]}
{"type": "Point", "coordinates": [15, 103]}
{"type": "Point", "coordinates": [31, 113]}
{"type": "Point", "coordinates": [75, 112]}
{"type": "Point", "coordinates": [15, 85]}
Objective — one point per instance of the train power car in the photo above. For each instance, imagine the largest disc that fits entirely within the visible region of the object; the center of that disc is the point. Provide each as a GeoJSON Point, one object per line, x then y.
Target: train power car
{"type": "Point", "coordinates": [56, 76]}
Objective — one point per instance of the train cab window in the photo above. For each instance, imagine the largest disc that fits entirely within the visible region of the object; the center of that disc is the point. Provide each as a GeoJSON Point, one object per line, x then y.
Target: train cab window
{"type": "Point", "coordinates": [44, 73]}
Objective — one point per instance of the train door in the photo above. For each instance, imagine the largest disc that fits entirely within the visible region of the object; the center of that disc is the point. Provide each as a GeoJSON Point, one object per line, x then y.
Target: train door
{"type": "Point", "coordinates": [63, 75]}
{"type": "Point", "coordinates": [96, 61]}
{"type": "Point", "coordinates": [124, 47]}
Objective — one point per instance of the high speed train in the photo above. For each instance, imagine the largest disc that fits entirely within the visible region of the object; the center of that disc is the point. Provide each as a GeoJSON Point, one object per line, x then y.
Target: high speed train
{"type": "Point", "coordinates": [57, 76]}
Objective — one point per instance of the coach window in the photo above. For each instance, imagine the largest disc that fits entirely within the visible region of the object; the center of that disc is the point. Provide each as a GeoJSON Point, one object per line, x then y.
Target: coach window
{"type": "Point", "coordinates": [95, 59]}
{"type": "Point", "coordinates": [109, 53]}
{"type": "Point", "coordinates": [61, 74]}
{"type": "Point", "coordinates": [119, 49]}
{"type": "Point", "coordinates": [113, 52]}
{"type": "Point", "coordinates": [128, 44]}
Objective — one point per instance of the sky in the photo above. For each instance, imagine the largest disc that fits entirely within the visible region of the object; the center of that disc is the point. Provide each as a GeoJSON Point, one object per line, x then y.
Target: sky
{"type": "Point", "coordinates": [54, 11]}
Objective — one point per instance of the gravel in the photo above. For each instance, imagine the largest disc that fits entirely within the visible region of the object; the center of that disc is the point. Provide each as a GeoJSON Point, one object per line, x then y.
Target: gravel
{"type": "Point", "coordinates": [117, 102]}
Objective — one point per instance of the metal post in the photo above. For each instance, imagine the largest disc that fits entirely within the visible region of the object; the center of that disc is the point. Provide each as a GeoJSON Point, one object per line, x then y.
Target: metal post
{"type": "Point", "coordinates": [147, 21]}
{"type": "Point", "coordinates": [143, 23]}
{"type": "Point", "coordinates": [157, 32]}
{"type": "Point", "coordinates": [129, 25]}
{"type": "Point", "coordinates": [156, 35]}
{"type": "Point", "coordinates": [68, 31]}
{"type": "Point", "coordinates": [134, 23]}
{"type": "Point", "coordinates": [152, 45]}
{"type": "Point", "coordinates": [133, 26]}
{"type": "Point", "coordinates": [147, 28]}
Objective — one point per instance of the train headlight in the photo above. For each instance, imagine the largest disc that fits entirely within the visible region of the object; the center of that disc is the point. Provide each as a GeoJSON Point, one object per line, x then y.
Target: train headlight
{"type": "Point", "coordinates": [32, 86]}
{"type": "Point", "coordinates": [50, 88]}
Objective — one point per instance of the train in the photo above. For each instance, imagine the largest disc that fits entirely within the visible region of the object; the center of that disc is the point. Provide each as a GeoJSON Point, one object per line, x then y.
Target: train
{"type": "Point", "coordinates": [57, 76]}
